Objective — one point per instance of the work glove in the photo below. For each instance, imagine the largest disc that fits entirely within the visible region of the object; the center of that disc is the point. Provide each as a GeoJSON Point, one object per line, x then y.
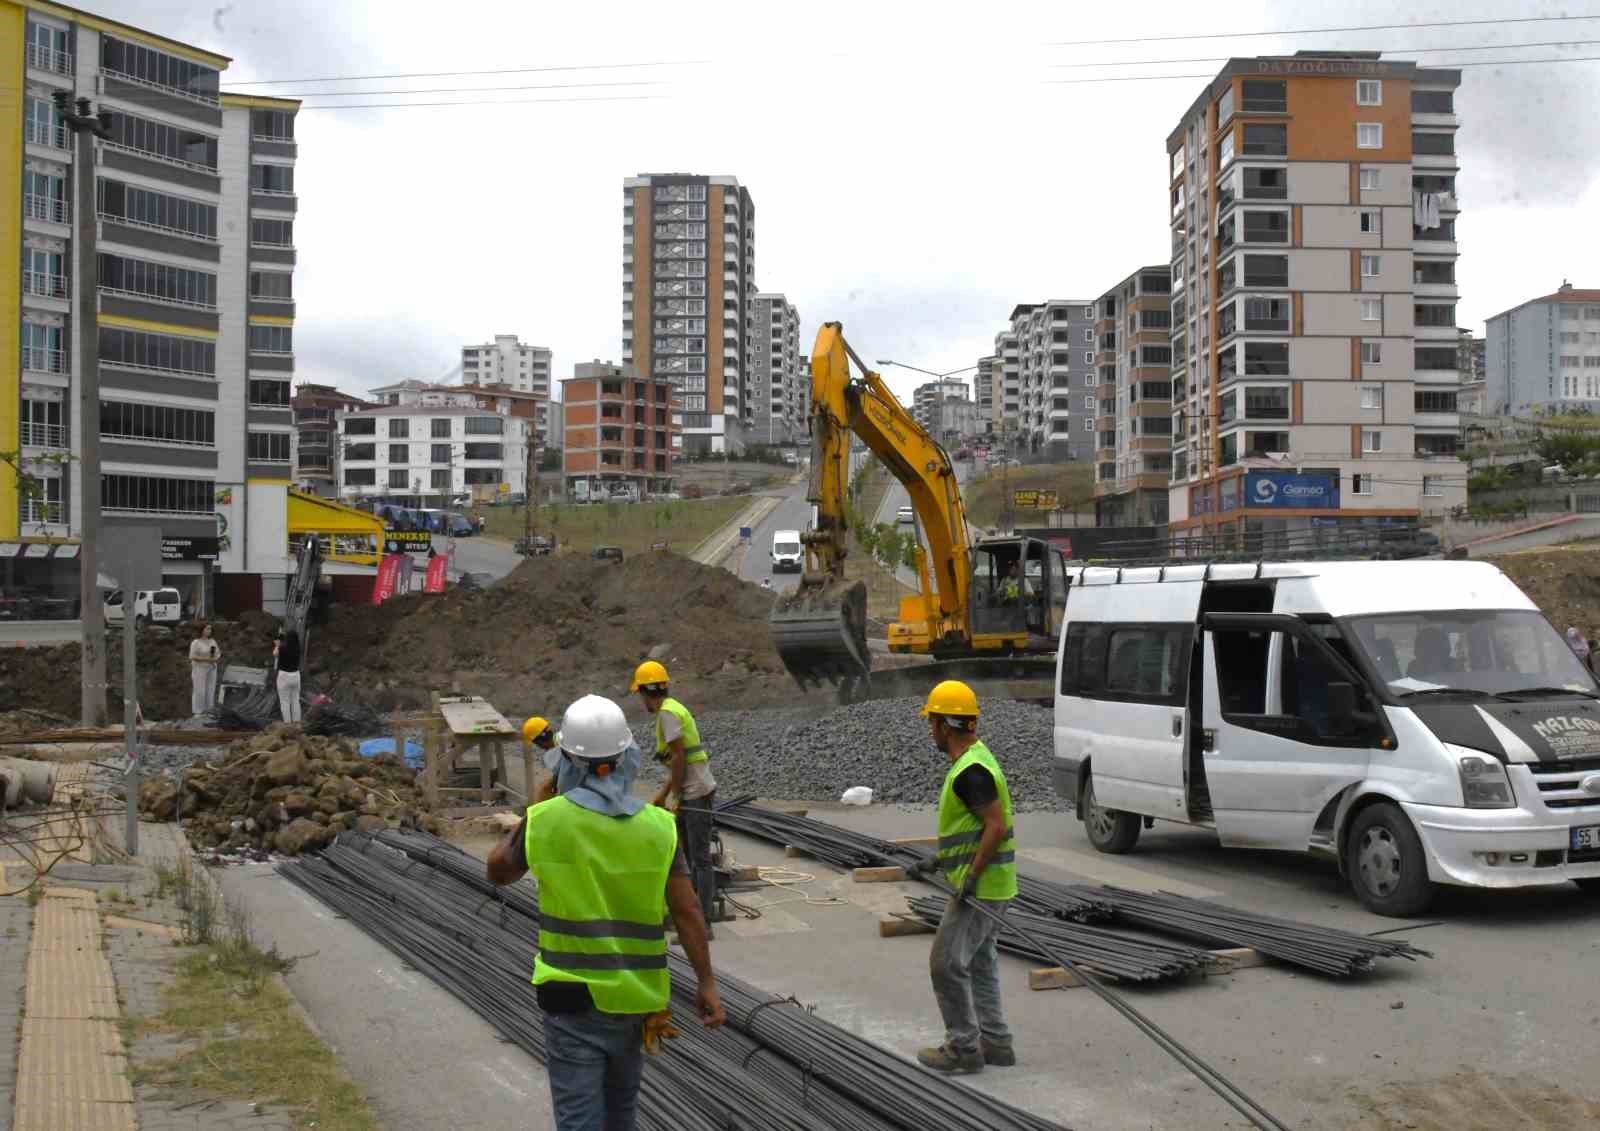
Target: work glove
{"type": "Point", "coordinates": [657, 1028]}
{"type": "Point", "coordinates": [926, 866]}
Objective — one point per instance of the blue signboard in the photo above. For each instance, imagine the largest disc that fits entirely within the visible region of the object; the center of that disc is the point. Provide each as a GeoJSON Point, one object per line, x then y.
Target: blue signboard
{"type": "Point", "coordinates": [1283, 490]}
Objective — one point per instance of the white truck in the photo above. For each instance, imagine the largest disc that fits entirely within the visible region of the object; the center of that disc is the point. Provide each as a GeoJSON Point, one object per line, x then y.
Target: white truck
{"type": "Point", "coordinates": [786, 553]}
{"type": "Point", "coordinates": [1419, 721]}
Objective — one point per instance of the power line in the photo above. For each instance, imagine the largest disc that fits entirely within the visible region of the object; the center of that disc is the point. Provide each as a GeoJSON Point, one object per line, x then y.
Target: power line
{"type": "Point", "coordinates": [1317, 30]}
{"type": "Point", "coordinates": [1402, 51]}
{"type": "Point", "coordinates": [465, 89]}
{"type": "Point", "coordinates": [489, 102]}
{"type": "Point", "coordinates": [465, 74]}
{"type": "Point", "coordinates": [1447, 65]}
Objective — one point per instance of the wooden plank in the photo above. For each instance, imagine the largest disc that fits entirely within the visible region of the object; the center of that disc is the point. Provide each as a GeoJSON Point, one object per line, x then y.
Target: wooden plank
{"type": "Point", "coordinates": [474, 716]}
{"type": "Point", "coordinates": [889, 874]}
{"type": "Point", "coordinates": [893, 926]}
{"type": "Point", "coordinates": [925, 841]}
{"type": "Point", "coordinates": [1052, 978]}
{"type": "Point", "coordinates": [744, 873]}
{"type": "Point", "coordinates": [1240, 957]}
{"type": "Point", "coordinates": [786, 810]}
{"type": "Point", "coordinates": [792, 850]}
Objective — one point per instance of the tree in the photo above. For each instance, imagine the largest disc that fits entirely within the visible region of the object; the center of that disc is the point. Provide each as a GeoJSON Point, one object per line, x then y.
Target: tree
{"type": "Point", "coordinates": [1576, 452]}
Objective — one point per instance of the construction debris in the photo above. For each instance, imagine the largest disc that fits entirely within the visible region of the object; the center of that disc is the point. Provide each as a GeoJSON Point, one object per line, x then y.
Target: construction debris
{"type": "Point", "coordinates": [285, 791]}
{"type": "Point", "coordinates": [23, 780]}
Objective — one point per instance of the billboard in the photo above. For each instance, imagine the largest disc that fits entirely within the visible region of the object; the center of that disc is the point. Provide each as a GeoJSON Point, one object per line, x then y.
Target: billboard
{"type": "Point", "coordinates": [1286, 490]}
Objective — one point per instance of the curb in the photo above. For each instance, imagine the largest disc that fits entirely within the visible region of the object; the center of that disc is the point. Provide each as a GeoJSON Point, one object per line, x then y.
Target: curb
{"type": "Point", "coordinates": [719, 544]}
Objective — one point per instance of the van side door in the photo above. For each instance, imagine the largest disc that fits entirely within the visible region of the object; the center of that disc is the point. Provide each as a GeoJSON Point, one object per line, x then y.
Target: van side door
{"type": "Point", "coordinates": [1288, 725]}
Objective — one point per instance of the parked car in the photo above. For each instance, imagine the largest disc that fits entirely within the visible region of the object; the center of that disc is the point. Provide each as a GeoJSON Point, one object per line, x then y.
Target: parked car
{"type": "Point", "coordinates": [537, 545]}
{"type": "Point", "coordinates": [611, 554]}
{"type": "Point", "coordinates": [905, 515]}
{"type": "Point", "coordinates": [460, 526]}
{"type": "Point", "coordinates": [150, 606]}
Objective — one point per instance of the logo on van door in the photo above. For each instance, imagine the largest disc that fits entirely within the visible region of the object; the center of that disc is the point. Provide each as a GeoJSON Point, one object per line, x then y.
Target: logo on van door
{"type": "Point", "coordinates": [1591, 785]}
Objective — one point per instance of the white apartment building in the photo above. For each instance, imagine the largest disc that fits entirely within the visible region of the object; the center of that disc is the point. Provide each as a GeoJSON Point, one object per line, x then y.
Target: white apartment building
{"type": "Point", "coordinates": [1315, 367]}
{"type": "Point", "coordinates": [775, 373]}
{"type": "Point", "coordinates": [985, 383]}
{"type": "Point", "coordinates": [928, 396]}
{"type": "Point", "coordinates": [435, 448]}
{"type": "Point", "coordinates": [1008, 388]}
{"type": "Point", "coordinates": [1544, 355]}
{"type": "Point", "coordinates": [507, 361]}
{"type": "Point", "coordinates": [1055, 379]}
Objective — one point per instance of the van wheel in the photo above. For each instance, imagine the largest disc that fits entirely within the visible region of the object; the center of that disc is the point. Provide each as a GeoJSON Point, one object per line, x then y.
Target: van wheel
{"type": "Point", "coordinates": [1109, 830]}
{"type": "Point", "coordinates": [1385, 863]}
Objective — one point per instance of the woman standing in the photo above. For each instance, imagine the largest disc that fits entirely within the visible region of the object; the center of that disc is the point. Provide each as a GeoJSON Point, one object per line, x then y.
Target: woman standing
{"type": "Point", "coordinates": [204, 656]}
{"type": "Point", "coordinates": [286, 652]}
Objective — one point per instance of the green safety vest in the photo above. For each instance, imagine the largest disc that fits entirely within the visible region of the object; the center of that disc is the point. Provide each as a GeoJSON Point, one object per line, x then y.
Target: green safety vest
{"type": "Point", "coordinates": [960, 830]}
{"type": "Point", "coordinates": [602, 901]}
{"type": "Point", "coordinates": [1010, 591]}
{"type": "Point", "coordinates": [693, 749]}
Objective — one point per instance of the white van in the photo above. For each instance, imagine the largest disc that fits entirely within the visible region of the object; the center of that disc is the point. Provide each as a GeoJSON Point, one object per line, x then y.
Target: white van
{"type": "Point", "coordinates": [1419, 721]}
{"type": "Point", "coordinates": [150, 606]}
{"type": "Point", "coordinates": [787, 556]}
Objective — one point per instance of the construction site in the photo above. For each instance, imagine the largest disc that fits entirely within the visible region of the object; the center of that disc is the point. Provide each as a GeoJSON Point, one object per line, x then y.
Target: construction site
{"type": "Point", "coordinates": [228, 918]}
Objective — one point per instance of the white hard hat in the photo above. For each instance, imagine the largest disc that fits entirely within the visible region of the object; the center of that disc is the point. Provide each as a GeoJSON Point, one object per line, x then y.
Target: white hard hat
{"type": "Point", "coordinates": [594, 729]}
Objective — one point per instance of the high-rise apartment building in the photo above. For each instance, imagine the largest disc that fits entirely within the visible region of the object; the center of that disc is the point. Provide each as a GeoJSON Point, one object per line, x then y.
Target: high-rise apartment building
{"type": "Point", "coordinates": [1133, 425]}
{"type": "Point", "coordinates": [507, 361]}
{"type": "Point", "coordinates": [1313, 214]}
{"type": "Point", "coordinates": [927, 397]}
{"type": "Point", "coordinates": [1008, 386]}
{"type": "Point", "coordinates": [1055, 378]}
{"type": "Point", "coordinates": [1544, 354]}
{"type": "Point", "coordinates": [316, 454]}
{"type": "Point", "coordinates": [688, 277]}
{"type": "Point", "coordinates": [773, 414]}
{"type": "Point", "coordinates": [985, 386]}
{"type": "Point", "coordinates": [192, 240]}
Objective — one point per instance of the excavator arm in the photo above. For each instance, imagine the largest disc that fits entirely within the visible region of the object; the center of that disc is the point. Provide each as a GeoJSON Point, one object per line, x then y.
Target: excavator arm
{"type": "Point", "coordinates": [820, 630]}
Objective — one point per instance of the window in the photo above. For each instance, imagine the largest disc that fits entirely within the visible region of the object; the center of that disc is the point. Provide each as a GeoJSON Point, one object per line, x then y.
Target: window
{"type": "Point", "coordinates": [1369, 135]}
{"type": "Point", "coordinates": [159, 68]}
{"type": "Point", "coordinates": [272, 339]}
{"type": "Point", "coordinates": [160, 281]}
{"type": "Point", "coordinates": [1433, 102]}
{"type": "Point", "coordinates": [277, 125]}
{"type": "Point", "coordinates": [483, 475]}
{"type": "Point", "coordinates": [133, 205]}
{"type": "Point", "coordinates": [1088, 378]}
{"type": "Point", "coordinates": [1088, 336]}
{"type": "Point", "coordinates": [1369, 92]}
{"type": "Point", "coordinates": [1372, 310]}
{"type": "Point", "coordinates": [361, 477]}
{"type": "Point", "coordinates": [268, 447]}
{"type": "Point", "coordinates": [157, 494]}
{"type": "Point", "coordinates": [397, 479]}
{"type": "Point", "coordinates": [1089, 403]}
{"type": "Point", "coordinates": [489, 451]}
{"type": "Point", "coordinates": [1371, 179]}
{"type": "Point", "coordinates": [1371, 440]}
{"type": "Point", "coordinates": [1372, 396]}
{"type": "Point", "coordinates": [163, 424]}
{"type": "Point", "coordinates": [272, 285]}
{"type": "Point", "coordinates": [1088, 357]}
{"type": "Point", "coordinates": [1088, 312]}
{"type": "Point", "coordinates": [266, 393]}
{"type": "Point", "coordinates": [360, 426]}
{"type": "Point", "coordinates": [490, 425]}
{"type": "Point", "coordinates": [1371, 353]}
{"type": "Point", "coordinates": [1088, 424]}
{"type": "Point", "coordinates": [399, 428]}
{"type": "Point", "coordinates": [439, 428]}
{"type": "Point", "coordinates": [1266, 141]}
{"type": "Point", "coordinates": [1433, 144]}
{"type": "Point", "coordinates": [272, 233]}
{"type": "Point", "coordinates": [1267, 403]}
{"type": "Point", "coordinates": [1297, 707]}
{"type": "Point", "coordinates": [276, 179]}
{"type": "Point", "coordinates": [360, 453]}
{"type": "Point", "coordinates": [137, 349]}
{"type": "Point", "coordinates": [1432, 486]}
{"type": "Point", "coordinates": [1144, 663]}
{"type": "Point", "coordinates": [439, 453]}
{"type": "Point", "coordinates": [1266, 227]}
{"type": "Point", "coordinates": [1435, 400]}
{"type": "Point", "coordinates": [1371, 222]}
{"type": "Point", "coordinates": [439, 479]}
{"type": "Point", "coordinates": [1369, 266]}
{"type": "Point", "coordinates": [1361, 484]}
{"type": "Point", "coordinates": [161, 140]}
{"type": "Point", "coordinates": [399, 453]}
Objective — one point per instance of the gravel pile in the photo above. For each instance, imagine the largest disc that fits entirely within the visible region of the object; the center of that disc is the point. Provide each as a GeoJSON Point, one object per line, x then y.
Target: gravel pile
{"type": "Point", "coordinates": [883, 744]}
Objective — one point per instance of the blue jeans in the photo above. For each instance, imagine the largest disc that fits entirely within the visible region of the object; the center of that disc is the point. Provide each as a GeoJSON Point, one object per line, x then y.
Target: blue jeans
{"type": "Point", "coordinates": [965, 967]}
{"type": "Point", "coordinates": [595, 1061]}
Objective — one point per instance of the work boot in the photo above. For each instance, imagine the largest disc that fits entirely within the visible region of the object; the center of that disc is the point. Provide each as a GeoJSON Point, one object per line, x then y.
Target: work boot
{"type": "Point", "coordinates": [1000, 1056]}
{"type": "Point", "coordinates": [943, 1058]}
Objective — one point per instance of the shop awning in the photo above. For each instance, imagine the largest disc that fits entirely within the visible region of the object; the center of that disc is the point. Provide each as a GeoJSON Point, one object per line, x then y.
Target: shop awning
{"type": "Point", "coordinates": [307, 514]}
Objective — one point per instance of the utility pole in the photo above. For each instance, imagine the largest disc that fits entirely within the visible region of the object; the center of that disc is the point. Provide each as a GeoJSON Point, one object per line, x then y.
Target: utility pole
{"type": "Point", "coordinates": [86, 125]}
{"type": "Point", "coordinates": [530, 481]}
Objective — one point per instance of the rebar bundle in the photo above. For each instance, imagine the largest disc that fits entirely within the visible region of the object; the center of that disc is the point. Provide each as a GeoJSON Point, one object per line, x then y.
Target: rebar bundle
{"type": "Point", "coordinates": [774, 1066]}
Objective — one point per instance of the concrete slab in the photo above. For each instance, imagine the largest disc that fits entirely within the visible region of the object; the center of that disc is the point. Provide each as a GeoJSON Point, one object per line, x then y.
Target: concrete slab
{"type": "Point", "coordinates": [1101, 869]}
{"type": "Point", "coordinates": [35, 1113]}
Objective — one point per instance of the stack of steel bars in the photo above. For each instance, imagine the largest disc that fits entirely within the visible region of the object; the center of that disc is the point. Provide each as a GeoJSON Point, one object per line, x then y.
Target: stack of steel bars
{"type": "Point", "coordinates": [1326, 950]}
{"type": "Point", "coordinates": [774, 1067]}
{"type": "Point", "coordinates": [1115, 955]}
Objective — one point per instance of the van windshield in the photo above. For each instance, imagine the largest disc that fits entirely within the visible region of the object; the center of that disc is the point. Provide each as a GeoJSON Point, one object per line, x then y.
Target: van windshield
{"type": "Point", "coordinates": [1493, 652]}
{"type": "Point", "coordinates": [786, 547]}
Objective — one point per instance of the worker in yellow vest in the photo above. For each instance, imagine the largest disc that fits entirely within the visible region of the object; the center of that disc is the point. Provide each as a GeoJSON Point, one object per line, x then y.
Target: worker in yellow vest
{"type": "Point", "coordinates": [680, 748]}
{"type": "Point", "coordinates": [608, 867]}
{"type": "Point", "coordinates": [977, 858]}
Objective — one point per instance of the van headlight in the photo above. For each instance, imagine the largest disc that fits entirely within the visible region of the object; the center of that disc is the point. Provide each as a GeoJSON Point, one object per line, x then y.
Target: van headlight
{"type": "Point", "coordinates": [1484, 784]}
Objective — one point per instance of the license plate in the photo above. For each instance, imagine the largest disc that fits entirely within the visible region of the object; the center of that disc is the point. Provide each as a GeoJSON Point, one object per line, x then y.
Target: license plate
{"type": "Point", "coordinates": [1587, 837]}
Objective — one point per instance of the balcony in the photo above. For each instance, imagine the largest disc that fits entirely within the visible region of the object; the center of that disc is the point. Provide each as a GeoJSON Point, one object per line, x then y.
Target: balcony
{"type": "Point", "coordinates": [43, 285]}
{"type": "Point", "coordinates": [1266, 323]}
{"type": "Point", "coordinates": [204, 98]}
{"type": "Point", "coordinates": [38, 133]}
{"type": "Point", "coordinates": [42, 58]}
{"type": "Point", "coordinates": [52, 436]}
{"type": "Point", "coordinates": [44, 360]}
{"type": "Point", "coordinates": [50, 210]}
{"type": "Point", "coordinates": [40, 512]}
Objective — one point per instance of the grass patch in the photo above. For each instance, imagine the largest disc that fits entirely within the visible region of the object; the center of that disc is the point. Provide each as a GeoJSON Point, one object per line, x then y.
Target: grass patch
{"type": "Point", "coordinates": [245, 1037]}
{"type": "Point", "coordinates": [988, 499]}
{"type": "Point", "coordinates": [682, 524]}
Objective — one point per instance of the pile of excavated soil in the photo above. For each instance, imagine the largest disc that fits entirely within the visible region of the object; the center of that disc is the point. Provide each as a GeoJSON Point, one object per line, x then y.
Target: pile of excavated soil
{"type": "Point", "coordinates": [287, 792]}
{"type": "Point", "coordinates": [554, 629]}
{"type": "Point", "coordinates": [1563, 582]}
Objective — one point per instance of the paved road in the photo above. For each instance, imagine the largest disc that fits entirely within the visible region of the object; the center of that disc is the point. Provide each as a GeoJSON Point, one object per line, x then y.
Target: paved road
{"type": "Point", "coordinates": [39, 633]}
{"type": "Point", "coordinates": [896, 497]}
{"type": "Point", "coordinates": [480, 555]}
{"type": "Point", "coordinates": [754, 562]}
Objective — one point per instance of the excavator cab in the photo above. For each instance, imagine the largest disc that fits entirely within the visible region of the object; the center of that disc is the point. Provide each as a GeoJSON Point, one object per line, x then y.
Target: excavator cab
{"type": "Point", "coordinates": [1018, 594]}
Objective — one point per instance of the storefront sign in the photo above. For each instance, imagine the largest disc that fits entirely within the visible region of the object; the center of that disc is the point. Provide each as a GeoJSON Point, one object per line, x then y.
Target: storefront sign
{"type": "Point", "coordinates": [1284, 490]}
{"type": "Point", "coordinates": [407, 541]}
{"type": "Point", "coordinates": [202, 549]}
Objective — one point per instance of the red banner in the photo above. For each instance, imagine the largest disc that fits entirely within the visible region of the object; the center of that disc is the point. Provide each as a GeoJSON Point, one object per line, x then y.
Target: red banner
{"type": "Point", "coordinates": [388, 575]}
{"type": "Point", "coordinates": [438, 570]}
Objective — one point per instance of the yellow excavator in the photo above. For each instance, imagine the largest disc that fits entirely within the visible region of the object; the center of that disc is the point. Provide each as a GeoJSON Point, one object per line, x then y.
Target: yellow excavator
{"type": "Point", "coordinates": [984, 610]}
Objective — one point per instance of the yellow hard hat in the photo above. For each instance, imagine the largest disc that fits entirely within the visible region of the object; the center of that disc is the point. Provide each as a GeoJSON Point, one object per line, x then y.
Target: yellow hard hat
{"type": "Point", "coordinates": [534, 727]}
{"type": "Point", "coordinates": [952, 697]}
{"type": "Point", "coordinates": [648, 673]}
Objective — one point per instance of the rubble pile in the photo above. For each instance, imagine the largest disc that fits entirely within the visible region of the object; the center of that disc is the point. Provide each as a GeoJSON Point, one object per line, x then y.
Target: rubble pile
{"type": "Point", "coordinates": [288, 792]}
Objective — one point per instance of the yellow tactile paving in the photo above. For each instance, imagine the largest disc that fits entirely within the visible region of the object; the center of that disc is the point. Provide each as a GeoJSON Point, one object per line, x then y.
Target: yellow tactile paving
{"type": "Point", "coordinates": [71, 778]}
{"type": "Point", "coordinates": [72, 1074]}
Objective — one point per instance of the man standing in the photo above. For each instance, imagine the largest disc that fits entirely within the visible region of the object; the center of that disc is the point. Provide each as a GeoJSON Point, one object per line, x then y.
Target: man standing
{"type": "Point", "coordinates": [537, 732]}
{"type": "Point", "coordinates": [977, 854]}
{"type": "Point", "coordinates": [608, 868]}
{"type": "Point", "coordinates": [679, 748]}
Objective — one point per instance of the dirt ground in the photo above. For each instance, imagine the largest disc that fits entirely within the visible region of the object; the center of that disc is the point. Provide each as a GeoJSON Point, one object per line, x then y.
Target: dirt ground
{"type": "Point", "coordinates": [1563, 581]}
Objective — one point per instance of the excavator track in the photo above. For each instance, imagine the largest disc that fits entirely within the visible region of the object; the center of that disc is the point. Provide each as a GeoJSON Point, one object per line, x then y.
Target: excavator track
{"type": "Point", "coordinates": [820, 632]}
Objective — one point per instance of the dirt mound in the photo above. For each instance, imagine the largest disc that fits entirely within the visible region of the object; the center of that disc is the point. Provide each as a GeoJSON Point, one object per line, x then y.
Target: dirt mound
{"type": "Point", "coordinates": [553, 630]}
{"type": "Point", "coordinates": [16, 723]}
{"type": "Point", "coordinates": [284, 791]}
{"type": "Point", "coordinates": [1564, 583]}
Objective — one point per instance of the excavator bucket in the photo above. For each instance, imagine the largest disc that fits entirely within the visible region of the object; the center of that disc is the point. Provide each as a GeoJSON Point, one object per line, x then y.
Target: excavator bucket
{"type": "Point", "coordinates": [821, 635]}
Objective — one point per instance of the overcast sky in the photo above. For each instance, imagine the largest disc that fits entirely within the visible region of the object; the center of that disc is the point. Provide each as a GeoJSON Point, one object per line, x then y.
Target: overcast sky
{"type": "Point", "coordinates": [915, 172]}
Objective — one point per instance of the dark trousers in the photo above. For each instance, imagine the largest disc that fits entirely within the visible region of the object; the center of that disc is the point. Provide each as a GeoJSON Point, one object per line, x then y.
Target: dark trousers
{"type": "Point", "coordinates": [694, 834]}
